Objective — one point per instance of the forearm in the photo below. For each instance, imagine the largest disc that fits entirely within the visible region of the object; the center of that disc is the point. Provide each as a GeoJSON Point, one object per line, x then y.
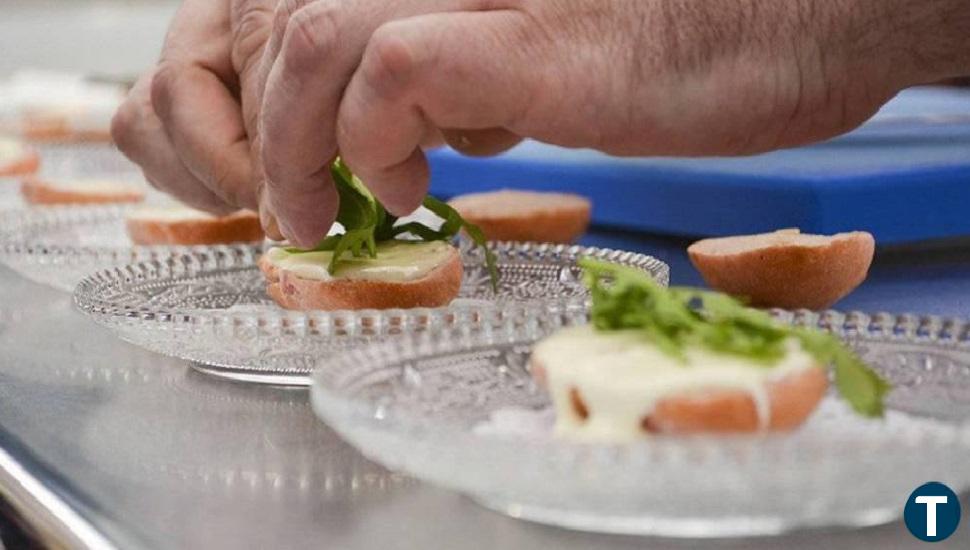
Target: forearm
{"type": "Point", "coordinates": [789, 73]}
{"type": "Point", "coordinates": [933, 38]}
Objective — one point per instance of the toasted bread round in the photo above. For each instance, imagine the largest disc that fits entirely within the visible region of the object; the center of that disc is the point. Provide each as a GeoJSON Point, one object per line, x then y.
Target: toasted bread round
{"type": "Point", "coordinates": [60, 133]}
{"type": "Point", "coordinates": [785, 269]}
{"type": "Point", "coordinates": [438, 288]}
{"type": "Point", "coordinates": [17, 159]}
{"type": "Point", "coordinates": [85, 123]}
{"type": "Point", "coordinates": [792, 399]}
{"type": "Point", "coordinates": [510, 215]}
{"type": "Point", "coordinates": [41, 191]}
{"type": "Point", "coordinates": [187, 226]}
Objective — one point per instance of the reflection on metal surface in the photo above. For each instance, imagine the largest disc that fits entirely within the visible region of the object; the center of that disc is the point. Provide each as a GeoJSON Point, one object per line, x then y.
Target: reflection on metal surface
{"type": "Point", "coordinates": [53, 521]}
{"type": "Point", "coordinates": [219, 438]}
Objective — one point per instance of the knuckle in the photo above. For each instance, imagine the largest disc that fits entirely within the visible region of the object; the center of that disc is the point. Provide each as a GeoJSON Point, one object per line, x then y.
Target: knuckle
{"type": "Point", "coordinates": [311, 35]}
{"type": "Point", "coordinates": [251, 30]}
{"type": "Point", "coordinates": [388, 63]}
{"type": "Point", "coordinates": [285, 10]}
{"type": "Point", "coordinates": [123, 128]}
{"type": "Point", "coordinates": [162, 87]}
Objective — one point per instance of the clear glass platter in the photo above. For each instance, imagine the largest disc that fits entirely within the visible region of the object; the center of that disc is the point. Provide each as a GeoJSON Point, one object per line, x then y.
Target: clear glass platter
{"type": "Point", "coordinates": [210, 306]}
{"type": "Point", "coordinates": [73, 160]}
{"type": "Point", "coordinates": [461, 410]}
{"type": "Point", "coordinates": [60, 245]}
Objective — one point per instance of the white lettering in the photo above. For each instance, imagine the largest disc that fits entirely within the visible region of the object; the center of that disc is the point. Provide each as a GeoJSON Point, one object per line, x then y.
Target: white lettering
{"type": "Point", "coordinates": [931, 503]}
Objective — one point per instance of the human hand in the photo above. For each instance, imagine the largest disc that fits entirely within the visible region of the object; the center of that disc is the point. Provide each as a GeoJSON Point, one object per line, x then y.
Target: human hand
{"type": "Point", "coordinates": [629, 77]}
{"type": "Point", "coordinates": [185, 122]}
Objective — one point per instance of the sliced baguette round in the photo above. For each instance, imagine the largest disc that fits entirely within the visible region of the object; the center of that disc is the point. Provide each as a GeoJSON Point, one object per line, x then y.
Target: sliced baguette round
{"type": "Point", "coordinates": [17, 159]}
{"type": "Point", "coordinates": [438, 288]}
{"type": "Point", "coordinates": [792, 399]}
{"type": "Point", "coordinates": [187, 226]}
{"type": "Point", "coordinates": [785, 269]}
{"type": "Point", "coordinates": [60, 131]}
{"type": "Point", "coordinates": [41, 191]}
{"type": "Point", "coordinates": [510, 215]}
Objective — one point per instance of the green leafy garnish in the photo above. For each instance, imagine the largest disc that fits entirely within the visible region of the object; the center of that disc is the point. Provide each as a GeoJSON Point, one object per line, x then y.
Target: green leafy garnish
{"type": "Point", "coordinates": [677, 318]}
{"type": "Point", "coordinates": [366, 223]}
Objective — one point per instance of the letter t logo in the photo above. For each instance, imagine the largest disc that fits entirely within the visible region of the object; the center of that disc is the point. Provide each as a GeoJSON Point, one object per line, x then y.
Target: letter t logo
{"type": "Point", "coordinates": [931, 502]}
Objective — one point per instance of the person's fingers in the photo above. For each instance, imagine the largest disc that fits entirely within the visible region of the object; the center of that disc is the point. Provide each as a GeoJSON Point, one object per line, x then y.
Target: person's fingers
{"type": "Point", "coordinates": [481, 143]}
{"type": "Point", "coordinates": [139, 134]}
{"type": "Point", "coordinates": [299, 191]}
{"type": "Point", "coordinates": [204, 123]}
{"type": "Point", "coordinates": [251, 22]}
{"type": "Point", "coordinates": [193, 93]}
{"type": "Point", "coordinates": [266, 217]}
{"type": "Point", "coordinates": [315, 48]}
{"type": "Point", "coordinates": [458, 70]}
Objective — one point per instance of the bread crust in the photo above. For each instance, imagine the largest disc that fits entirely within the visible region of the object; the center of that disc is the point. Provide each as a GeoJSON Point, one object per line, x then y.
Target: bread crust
{"type": "Point", "coordinates": [28, 162]}
{"type": "Point", "coordinates": [59, 130]}
{"type": "Point", "coordinates": [237, 227]}
{"type": "Point", "coordinates": [792, 398]}
{"type": "Point", "coordinates": [538, 217]}
{"type": "Point", "coordinates": [438, 288]}
{"type": "Point", "coordinates": [38, 191]}
{"type": "Point", "coordinates": [790, 276]}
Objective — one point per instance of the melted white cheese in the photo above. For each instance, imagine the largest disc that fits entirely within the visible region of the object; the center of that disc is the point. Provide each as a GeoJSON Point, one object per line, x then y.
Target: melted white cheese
{"type": "Point", "coordinates": [621, 376]}
{"type": "Point", "coordinates": [10, 150]}
{"type": "Point", "coordinates": [169, 214]}
{"type": "Point", "coordinates": [397, 261]}
{"type": "Point", "coordinates": [95, 186]}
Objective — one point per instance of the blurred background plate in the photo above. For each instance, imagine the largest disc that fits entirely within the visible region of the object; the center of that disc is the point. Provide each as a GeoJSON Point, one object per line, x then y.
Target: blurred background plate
{"type": "Point", "coordinates": [904, 176]}
{"type": "Point", "coordinates": [60, 245]}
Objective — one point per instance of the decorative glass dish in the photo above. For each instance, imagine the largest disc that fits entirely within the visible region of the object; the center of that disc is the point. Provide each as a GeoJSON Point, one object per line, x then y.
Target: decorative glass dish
{"type": "Point", "coordinates": [461, 410]}
{"type": "Point", "coordinates": [73, 160]}
{"type": "Point", "coordinates": [210, 306]}
{"type": "Point", "coordinates": [60, 245]}
{"type": "Point", "coordinates": [85, 160]}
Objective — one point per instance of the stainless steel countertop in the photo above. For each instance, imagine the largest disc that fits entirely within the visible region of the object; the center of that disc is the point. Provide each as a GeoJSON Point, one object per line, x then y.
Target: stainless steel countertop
{"type": "Point", "coordinates": [103, 444]}
{"type": "Point", "coordinates": [145, 452]}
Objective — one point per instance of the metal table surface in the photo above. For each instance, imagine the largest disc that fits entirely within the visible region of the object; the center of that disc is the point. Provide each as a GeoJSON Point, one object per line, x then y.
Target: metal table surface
{"type": "Point", "coordinates": [104, 444]}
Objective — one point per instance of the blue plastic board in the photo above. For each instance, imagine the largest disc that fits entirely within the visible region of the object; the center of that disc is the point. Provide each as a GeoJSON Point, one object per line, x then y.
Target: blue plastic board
{"type": "Point", "coordinates": [904, 176]}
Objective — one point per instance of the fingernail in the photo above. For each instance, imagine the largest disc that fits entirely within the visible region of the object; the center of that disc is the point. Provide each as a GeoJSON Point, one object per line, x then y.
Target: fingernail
{"type": "Point", "coordinates": [304, 232]}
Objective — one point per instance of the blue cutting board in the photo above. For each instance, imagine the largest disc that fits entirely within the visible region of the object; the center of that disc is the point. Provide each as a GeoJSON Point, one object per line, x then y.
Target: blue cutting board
{"type": "Point", "coordinates": [904, 176]}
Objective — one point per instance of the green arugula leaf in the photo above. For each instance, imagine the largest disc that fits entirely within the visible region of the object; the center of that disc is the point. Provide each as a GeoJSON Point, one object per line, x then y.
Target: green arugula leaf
{"type": "Point", "coordinates": [455, 223]}
{"type": "Point", "coordinates": [452, 225]}
{"type": "Point", "coordinates": [677, 318]}
{"type": "Point", "coordinates": [863, 388]}
{"type": "Point", "coordinates": [366, 223]}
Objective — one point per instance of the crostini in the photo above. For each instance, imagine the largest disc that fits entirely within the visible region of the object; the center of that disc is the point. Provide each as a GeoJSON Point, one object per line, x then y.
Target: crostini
{"type": "Point", "coordinates": [510, 215]}
{"type": "Point", "coordinates": [683, 361]}
{"type": "Point", "coordinates": [181, 225]}
{"type": "Point", "coordinates": [17, 158]}
{"type": "Point", "coordinates": [51, 191]}
{"type": "Point", "coordinates": [618, 385]}
{"type": "Point", "coordinates": [371, 265]}
{"type": "Point", "coordinates": [785, 269]}
{"type": "Point", "coordinates": [54, 107]}
{"type": "Point", "coordinates": [403, 274]}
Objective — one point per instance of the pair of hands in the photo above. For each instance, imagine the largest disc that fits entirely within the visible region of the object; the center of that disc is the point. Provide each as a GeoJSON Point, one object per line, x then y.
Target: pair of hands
{"type": "Point", "coordinates": [252, 99]}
